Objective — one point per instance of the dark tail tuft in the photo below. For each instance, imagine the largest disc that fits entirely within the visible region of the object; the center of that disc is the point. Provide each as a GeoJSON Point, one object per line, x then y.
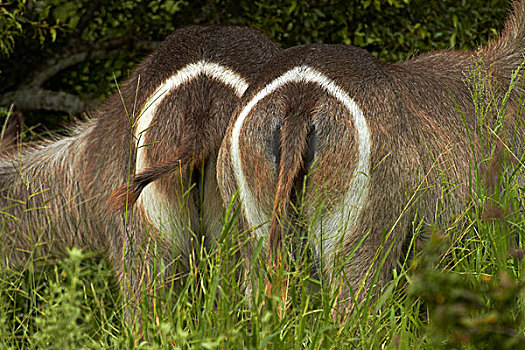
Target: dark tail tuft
{"type": "Point", "coordinates": [124, 197]}
{"type": "Point", "coordinates": [186, 156]}
{"type": "Point", "coordinates": [293, 144]}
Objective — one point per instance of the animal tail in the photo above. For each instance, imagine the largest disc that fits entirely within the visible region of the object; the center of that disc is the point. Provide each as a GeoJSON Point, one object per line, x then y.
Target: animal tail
{"type": "Point", "coordinates": [187, 155]}
{"type": "Point", "coordinates": [293, 147]}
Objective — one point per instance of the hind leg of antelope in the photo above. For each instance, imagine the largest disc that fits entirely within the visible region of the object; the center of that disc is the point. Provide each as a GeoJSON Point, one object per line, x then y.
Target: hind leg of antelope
{"type": "Point", "coordinates": [358, 269]}
{"type": "Point", "coordinates": [244, 236]}
{"type": "Point", "coordinates": [142, 273]}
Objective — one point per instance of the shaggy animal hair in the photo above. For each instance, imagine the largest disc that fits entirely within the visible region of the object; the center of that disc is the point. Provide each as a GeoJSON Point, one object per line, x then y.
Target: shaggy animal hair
{"type": "Point", "coordinates": [165, 125]}
{"type": "Point", "coordinates": [379, 142]}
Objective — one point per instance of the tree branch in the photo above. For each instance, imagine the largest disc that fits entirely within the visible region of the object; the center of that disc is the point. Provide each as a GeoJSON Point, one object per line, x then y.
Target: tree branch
{"type": "Point", "coordinates": [69, 58]}
{"type": "Point", "coordinates": [30, 95]}
{"type": "Point", "coordinates": [50, 68]}
{"type": "Point", "coordinates": [33, 99]}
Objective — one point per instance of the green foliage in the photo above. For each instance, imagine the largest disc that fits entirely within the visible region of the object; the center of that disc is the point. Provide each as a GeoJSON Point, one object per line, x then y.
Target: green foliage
{"type": "Point", "coordinates": [450, 303]}
{"type": "Point", "coordinates": [33, 31]}
{"type": "Point", "coordinates": [44, 20]}
{"type": "Point", "coordinates": [481, 310]}
{"type": "Point", "coordinates": [62, 323]}
{"type": "Point", "coordinates": [29, 18]}
{"type": "Point", "coordinates": [144, 20]}
{"type": "Point", "coordinates": [391, 30]}
{"type": "Point", "coordinates": [62, 306]}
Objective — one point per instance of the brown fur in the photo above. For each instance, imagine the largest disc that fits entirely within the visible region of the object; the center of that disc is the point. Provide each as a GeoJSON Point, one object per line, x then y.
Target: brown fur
{"type": "Point", "coordinates": [67, 182]}
{"type": "Point", "coordinates": [417, 139]}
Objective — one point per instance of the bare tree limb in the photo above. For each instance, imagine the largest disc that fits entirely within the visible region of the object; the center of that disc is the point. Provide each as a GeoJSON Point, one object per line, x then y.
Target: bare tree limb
{"type": "Point", "coordinates": [81, 52]}
{"type": "Point", "coordinates": [30, 95]}
{"type": "Point", "coordinates": [32, 99]}
{"type": "Point", "coordinates": [50, 68]}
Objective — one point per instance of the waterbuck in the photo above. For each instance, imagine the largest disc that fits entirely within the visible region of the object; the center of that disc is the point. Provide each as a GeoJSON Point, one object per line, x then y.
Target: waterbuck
{"type": "Point", "coordinates": [373, 144]}
{"type": "Point", "coordinates": [167, 121]}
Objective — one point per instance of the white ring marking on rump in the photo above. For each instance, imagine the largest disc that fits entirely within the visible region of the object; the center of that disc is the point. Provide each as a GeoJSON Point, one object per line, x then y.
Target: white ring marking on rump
{"type": "Point", "coordinates": [358, 189]}
{"type": "Point", "coordinates": [155, 206]}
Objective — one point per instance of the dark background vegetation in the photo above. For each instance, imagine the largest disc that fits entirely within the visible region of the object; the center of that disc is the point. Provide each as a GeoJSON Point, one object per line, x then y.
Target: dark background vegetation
{"type": "Point", "coordinates": [60, 58]}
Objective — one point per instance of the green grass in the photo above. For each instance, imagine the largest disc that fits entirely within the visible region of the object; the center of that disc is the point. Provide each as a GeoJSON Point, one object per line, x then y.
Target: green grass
{"type": "Point", "coordinates": [462, 288]}
{"type": "Point", "coordinates": [465, 290]}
